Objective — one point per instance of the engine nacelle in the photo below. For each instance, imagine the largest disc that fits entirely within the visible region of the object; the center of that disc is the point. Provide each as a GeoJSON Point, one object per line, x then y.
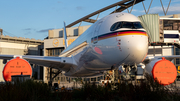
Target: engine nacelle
{"type": "Point", "coordinates": [163, 70]}
{"type": "Point", "coordinates": [16, 66]}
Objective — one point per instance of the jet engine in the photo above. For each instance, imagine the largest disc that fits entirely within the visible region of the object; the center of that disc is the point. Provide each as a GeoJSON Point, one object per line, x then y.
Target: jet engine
{"type": "Point", "coordinates": [16, 66]}
{"type": "Point", "coordinates": [163, 70]}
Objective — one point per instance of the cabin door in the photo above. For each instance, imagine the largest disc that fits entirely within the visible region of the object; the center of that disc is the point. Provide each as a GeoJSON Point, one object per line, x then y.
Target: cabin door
{"type": "Point", "coordinates": [96, 32]}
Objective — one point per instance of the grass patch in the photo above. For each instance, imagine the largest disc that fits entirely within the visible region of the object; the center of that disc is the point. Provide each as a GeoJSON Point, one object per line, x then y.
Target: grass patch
{"type": "Point", "coordinates": [147, 90]}
{"type": "Point", "coordinates": [25, 91]}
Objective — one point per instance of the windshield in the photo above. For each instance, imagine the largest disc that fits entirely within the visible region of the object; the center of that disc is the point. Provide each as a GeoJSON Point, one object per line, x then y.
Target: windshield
{"type": "Point", "coordinates": [137, 25]}
{"type": "Point", "coordinates": [127, 25]}
{"type": "Point", "coordinates": [133, 25]}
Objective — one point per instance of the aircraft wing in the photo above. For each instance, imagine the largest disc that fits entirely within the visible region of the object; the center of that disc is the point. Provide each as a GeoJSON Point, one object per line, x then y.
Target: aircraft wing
{"type": "Point", "coordinates": [151, 58]}
{"type": "Point", "coordinates": [62, 63]}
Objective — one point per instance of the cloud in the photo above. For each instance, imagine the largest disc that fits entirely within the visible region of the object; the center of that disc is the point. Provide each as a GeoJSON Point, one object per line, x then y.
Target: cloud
{"type": "Point", "coordinates": [175, 1]}
{"type": "Point", "coordinates": [79, 8]}
{"type": "Point", "coordinates": [28, 29]}
{"type": "Point", "coordinates": [44, 30]}
{"type": "Point", "coordinates": [59, 2]}
{"type": "Point", "coordinates": [173, 9]}
{"type": "Point", "coordinates": [134, 10]}
{"type": "Point", "coordinates": [27, 33]}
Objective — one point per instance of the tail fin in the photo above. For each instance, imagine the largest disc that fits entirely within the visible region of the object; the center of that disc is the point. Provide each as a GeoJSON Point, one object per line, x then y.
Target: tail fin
{"type": "Point", "coordinates": [65, 36]}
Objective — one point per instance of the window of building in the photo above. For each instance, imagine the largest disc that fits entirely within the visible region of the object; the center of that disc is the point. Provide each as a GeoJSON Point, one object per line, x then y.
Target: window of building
{"type": "Point", "coordinates": [155, 51]}
{"type": "Point", "coordinates": [61, 34]}
{"type": "Point", "coordinates": [171, 24]}
{"type": "Point", "coordinates": [100, 78]}
{"type": "Point", "coordinates": [93, 79]}
{"type": "Point", "coordinates": [86, 79]}
{"type": "Point", "coordinates": [55, 51]}
{"type": "Point", "coordinates": [63, 79]}
{"type": "Point", "coordinates": [177, 52]}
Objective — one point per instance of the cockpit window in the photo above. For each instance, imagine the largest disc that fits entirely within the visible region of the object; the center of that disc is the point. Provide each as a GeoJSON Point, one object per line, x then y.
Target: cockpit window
{"type": "Point", "coordinates": [137, 25]}
{"type": "Point", "coordinates": [116, 26]}
{"type": "Point", "coordinates": [133, 25]}
{"type": "Point", "coordinates": [127, 25]}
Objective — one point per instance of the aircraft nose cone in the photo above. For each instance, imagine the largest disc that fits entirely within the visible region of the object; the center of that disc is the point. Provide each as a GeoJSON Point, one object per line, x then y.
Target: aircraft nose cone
{"type": "Point", "coordinates": [138, 48]}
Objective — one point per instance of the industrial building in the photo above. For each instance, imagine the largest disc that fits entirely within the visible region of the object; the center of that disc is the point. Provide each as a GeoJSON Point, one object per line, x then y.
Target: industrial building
{"type": "Point", "coordinates": [21, 46]}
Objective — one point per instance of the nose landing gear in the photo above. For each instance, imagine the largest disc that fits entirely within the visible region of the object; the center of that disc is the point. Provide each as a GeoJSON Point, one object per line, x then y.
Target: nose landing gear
{"type": "Point", "coordinates": [128, 71]}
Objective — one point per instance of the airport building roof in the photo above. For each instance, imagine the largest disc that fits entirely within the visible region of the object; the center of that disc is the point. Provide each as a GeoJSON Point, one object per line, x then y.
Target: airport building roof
{"type": "Point", "coordinates": [7, 38]}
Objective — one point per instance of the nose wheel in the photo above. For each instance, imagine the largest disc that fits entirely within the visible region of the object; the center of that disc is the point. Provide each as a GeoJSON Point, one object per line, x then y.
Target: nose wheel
{"type": "Point", "coordinates": [129, 70]}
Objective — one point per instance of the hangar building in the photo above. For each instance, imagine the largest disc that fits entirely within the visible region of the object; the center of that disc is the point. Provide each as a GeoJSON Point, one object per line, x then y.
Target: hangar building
{"type": "Point", "coordinates": [54, 45]}
{"type": "Point", "coordinates": [21, 46]}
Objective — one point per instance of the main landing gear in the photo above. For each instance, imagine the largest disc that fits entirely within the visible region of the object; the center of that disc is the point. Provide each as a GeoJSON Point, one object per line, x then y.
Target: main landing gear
{"type": "Point", "coordinates": [51, 78]}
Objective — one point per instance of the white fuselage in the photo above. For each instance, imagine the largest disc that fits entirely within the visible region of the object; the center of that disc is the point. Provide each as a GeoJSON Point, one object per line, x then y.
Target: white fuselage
{"type": "Point", "coordinates": [108, 46]}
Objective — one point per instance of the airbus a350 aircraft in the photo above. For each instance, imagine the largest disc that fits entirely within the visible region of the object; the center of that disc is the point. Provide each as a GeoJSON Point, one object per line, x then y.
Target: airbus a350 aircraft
{"type": "Point", "coordinates": [117, 39]}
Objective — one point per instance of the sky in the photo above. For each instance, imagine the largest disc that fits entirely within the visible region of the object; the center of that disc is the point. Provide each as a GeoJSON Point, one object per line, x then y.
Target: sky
{"type": "Point", "coordinates": [33, 18]}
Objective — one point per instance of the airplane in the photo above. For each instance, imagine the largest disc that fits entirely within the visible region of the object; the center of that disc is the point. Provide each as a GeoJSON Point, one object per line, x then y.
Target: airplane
{"type": "Point", "coordinates": [114, 40]}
